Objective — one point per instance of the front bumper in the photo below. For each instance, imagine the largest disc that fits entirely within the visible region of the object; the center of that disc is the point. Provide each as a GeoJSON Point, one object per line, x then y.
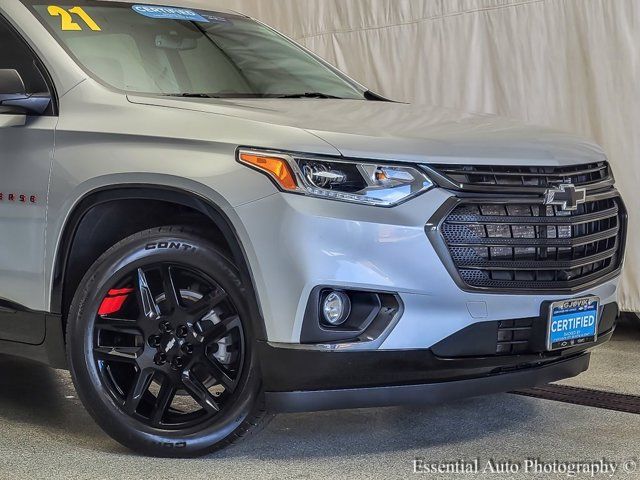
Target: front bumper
{"type": "Point", "coordinates": [445, 342]}
{"type": "Point", "coordinates": [296, 243]}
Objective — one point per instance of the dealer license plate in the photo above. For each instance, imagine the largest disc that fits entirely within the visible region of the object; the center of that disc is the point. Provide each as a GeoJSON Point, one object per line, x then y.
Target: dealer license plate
{"type": "Point", "coordinates": [573, 322]}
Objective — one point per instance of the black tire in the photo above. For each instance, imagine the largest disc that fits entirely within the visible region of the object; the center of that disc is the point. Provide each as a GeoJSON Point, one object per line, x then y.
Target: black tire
{"type": "Point", "coordinates": [101, 357]}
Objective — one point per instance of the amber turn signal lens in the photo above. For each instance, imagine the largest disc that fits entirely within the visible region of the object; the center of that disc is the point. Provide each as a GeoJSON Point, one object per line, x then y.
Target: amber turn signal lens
{"type": "Point", "coordinates": [278, 168]}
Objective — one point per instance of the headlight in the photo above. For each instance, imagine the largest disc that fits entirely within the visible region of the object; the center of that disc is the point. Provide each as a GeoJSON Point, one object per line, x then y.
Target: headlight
{"type": "Point", "coordinates": [369, 183]}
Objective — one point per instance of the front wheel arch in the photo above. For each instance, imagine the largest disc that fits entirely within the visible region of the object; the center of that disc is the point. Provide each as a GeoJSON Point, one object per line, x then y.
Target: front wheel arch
{"type": "Point", "coordinates": [64, 285]}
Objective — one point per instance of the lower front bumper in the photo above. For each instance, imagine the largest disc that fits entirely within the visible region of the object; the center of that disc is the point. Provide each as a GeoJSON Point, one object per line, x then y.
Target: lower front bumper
{"type": "Point", "coordinates": [427, 393]}
{"type": "Point", "coordinates": [468, 363]}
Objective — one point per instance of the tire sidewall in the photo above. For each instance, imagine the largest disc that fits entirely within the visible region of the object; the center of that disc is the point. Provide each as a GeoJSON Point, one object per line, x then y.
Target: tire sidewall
{"type": "Point", "coordinates": [134, 252]}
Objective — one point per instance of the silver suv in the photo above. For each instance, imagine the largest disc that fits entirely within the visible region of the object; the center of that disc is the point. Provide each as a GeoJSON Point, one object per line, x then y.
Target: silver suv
{"type": "Point", "coordinates": [206, 223]}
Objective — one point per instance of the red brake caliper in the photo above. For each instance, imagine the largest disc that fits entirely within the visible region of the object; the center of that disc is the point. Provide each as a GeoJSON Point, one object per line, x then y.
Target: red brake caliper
{"type": "Point", "coordinates": [114, 300]}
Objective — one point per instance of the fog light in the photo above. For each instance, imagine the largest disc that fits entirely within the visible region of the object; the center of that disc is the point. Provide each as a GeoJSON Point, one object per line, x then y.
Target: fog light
{"type": "Point", "coordinates": [336, 308]}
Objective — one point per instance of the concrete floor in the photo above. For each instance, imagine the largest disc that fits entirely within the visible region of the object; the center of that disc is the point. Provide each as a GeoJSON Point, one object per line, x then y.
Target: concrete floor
{"type": "Point", "coordinates": [615, 367]}
{"type": "Point", "coordinates": [45, 433]}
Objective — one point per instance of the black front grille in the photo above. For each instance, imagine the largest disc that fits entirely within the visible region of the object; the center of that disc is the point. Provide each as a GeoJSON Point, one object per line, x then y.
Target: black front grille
{"type": "Point", "coordinates": [529, 177]}
{"type": "Point", "coordinates": [525, 245]}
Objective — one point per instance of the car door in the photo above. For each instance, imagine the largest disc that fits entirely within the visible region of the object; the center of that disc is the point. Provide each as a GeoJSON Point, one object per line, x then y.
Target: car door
{"type": "Point", "coordinates": [26, 152]}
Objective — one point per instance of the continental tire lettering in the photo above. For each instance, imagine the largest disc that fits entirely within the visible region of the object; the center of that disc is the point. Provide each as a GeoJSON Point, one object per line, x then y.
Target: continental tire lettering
{"type": "Point", "coordinates": [185, 247]}
{"type": "Point", "coordinates": [171, 444]}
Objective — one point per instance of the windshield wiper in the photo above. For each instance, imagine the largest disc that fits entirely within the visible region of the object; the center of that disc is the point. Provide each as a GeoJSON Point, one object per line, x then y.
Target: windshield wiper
{"type": "Point", "coordinates": [190, 95]}
{"type": "Point", "coordinates": [308, 95]}
{"type": "Point", "coordinates": [253, 95]}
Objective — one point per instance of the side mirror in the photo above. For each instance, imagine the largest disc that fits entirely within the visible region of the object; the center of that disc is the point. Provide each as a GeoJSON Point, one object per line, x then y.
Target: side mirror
{"type": "Point", "coordinates": [11, 83]}
{"type": "Point", "coordinates": [14, 99]}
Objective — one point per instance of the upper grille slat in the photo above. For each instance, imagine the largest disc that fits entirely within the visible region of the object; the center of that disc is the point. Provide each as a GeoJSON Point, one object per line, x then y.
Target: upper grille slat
{"type": "Point", "coordinates": [503, 244]}
{"type": "Point", "coordinates": [472, 178]}
{"type": "Point", "coordinates": [478, 171]}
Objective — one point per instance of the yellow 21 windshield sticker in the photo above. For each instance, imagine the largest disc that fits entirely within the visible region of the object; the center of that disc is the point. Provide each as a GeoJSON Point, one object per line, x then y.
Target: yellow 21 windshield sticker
{"type": "Point", "coordinates": [66, 18]}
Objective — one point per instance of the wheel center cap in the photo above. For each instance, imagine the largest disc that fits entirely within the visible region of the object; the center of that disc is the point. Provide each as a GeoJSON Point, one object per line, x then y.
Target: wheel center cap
{"type": "Point", "coordinates": [169, 343]}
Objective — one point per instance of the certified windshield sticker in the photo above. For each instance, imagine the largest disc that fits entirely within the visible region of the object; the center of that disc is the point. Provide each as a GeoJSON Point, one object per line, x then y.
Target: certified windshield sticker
{"type": "Point", "coordinates": [169, 13]}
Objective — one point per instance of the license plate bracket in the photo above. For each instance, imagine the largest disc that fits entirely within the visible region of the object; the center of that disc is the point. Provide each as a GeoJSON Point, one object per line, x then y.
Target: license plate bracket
{"type": "Point", "coordinates": [573, 322]}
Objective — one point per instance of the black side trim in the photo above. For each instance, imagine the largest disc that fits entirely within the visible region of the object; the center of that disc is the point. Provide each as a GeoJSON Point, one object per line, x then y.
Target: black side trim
{"type": "Point", "coordinates": [20, 324]}
{"type": "Point", "coordinates": [434, 393]}
{"type": "Point", "coordinates": [50, 351]}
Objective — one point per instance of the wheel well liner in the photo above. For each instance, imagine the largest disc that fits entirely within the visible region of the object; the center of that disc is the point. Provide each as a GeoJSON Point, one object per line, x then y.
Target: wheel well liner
{"type": "Point", "coordinates": [166, 195]}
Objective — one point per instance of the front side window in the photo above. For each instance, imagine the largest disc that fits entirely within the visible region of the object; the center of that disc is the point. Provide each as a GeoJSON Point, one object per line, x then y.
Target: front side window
{"type": "Point", "coordinates": [16, 55]}
{"type": "Point", "coordinates": [177, 51]}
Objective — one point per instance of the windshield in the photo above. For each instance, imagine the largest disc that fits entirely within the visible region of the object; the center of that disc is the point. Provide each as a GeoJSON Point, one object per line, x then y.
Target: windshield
{"type": "Point", "coordinates": [177, 51]}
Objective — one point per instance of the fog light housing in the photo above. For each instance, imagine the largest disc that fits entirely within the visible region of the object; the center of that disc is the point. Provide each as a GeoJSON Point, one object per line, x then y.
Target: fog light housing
{"type": "Point", "coordinates": [336, 308]}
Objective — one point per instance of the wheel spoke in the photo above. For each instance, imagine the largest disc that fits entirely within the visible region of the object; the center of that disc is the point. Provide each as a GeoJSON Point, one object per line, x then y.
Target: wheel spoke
{"type": "Point", "coordinates": [171, 295]}
{"type": "Point", "coordinates": [199, 392]}
{"type": "Point", "coordinates": [163, 402]}
{"type": "Point", "coordinates": [139, 387]}
{"type": "Point", "coordinates": [118, 354]}
{"type": "Point", "coordinates": [207, 303]}
{"type": "Point", "coordinates": [218, 372]}
{"type": "Point", "coordinates": [150, 308]}
{"type": "Point", "coordinates": [221, 329]}
{"type": "Point", "coordinates": [117, 325]}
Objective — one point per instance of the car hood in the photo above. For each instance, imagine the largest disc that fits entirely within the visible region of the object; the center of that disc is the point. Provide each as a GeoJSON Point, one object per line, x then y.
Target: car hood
{"type": "Point", "coordinates": [402, 132]}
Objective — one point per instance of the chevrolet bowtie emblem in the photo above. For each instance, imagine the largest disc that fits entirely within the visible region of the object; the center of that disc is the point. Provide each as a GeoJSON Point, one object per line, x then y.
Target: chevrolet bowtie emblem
{"type": "Point", "coordinates": [567, 196]}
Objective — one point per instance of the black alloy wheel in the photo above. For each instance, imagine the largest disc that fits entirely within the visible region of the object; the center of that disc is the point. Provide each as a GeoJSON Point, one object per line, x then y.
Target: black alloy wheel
{"type": "Point", "coordinates": [159, 343]}
{"type": "Point", "coordinates": [175, 330]}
